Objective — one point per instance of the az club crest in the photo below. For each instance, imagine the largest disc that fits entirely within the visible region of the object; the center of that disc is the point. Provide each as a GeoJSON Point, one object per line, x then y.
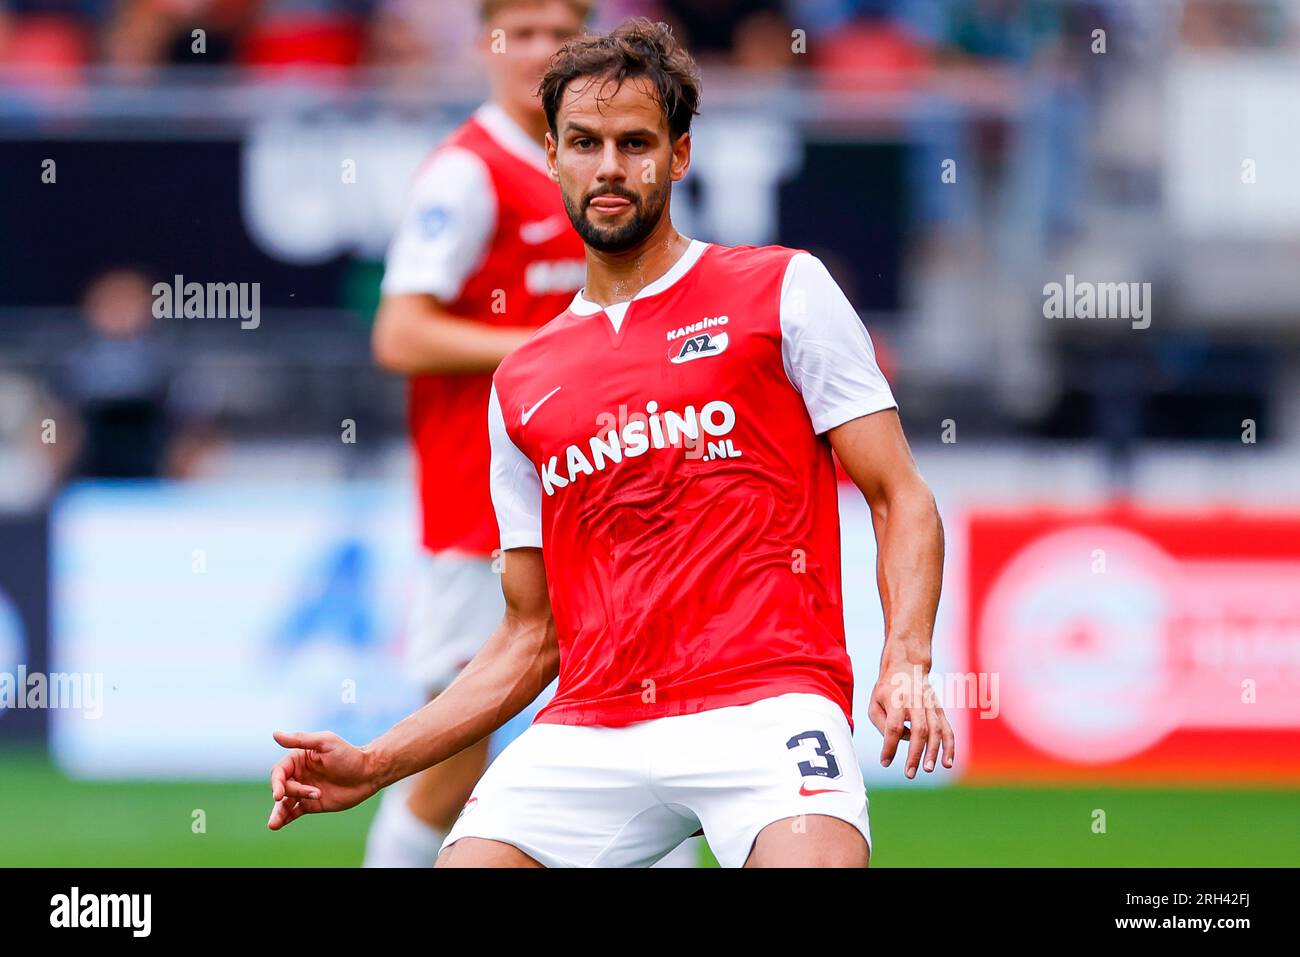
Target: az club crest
{"type": "Point", "coordinates": [699, 346]}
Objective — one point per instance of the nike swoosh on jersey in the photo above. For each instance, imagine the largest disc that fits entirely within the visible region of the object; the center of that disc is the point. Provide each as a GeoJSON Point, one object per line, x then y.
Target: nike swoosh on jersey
{"type": "Point", "coordinates": [540, 231]}
{"type": "Point", "coordinates": [803, 789]}
{"type": "Point", "coordinates": [526, 413]}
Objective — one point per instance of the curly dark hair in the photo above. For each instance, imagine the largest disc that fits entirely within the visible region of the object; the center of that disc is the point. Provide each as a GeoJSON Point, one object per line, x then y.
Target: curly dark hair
{"type": "Point", "coordinates": [637, 48]}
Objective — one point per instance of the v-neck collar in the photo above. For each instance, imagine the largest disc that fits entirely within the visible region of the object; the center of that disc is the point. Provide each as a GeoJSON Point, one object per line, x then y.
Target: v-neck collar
{"type": "Point", "coordinates": [617, 312]}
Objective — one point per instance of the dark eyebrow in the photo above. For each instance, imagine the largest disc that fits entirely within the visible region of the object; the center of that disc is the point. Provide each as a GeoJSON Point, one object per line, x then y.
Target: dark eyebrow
{"type": "Point", "coordinates": [579, 129]}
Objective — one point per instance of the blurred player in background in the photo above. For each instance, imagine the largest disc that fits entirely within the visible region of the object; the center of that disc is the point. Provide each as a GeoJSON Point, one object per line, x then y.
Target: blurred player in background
{"type": "Point", "coordinates": [484, 255]}
{"type": "Point", "coordinates": [679, 568]}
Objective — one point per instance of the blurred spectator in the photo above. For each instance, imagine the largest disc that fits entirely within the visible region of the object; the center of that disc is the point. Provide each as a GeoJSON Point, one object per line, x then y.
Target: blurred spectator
{"type": "Point", "coordinates": [308, 32]}
{"type": "Point", "coordinates": [710, 28]}
{"type": "Point", "coordinates": [763, 41]}
{"type": "Point", "coordinates": [1209, 24]}
{"type": "Point", "coordinates": [993, 29]}
{"type": "Point", "coordinates": [116, 381]}
{"type": "Point", "coordinates": [870, 53]}
{"type": "Point", "coordinates": [410, 36]}
{"type": "Point", "coordinates": [145, 34]}
{"type": "Point", "coordinates": [55, 36]}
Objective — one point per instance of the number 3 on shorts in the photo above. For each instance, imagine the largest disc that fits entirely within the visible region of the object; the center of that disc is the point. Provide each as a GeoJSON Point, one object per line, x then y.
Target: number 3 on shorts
{"type": "Point", "coordinates": [831, 769]}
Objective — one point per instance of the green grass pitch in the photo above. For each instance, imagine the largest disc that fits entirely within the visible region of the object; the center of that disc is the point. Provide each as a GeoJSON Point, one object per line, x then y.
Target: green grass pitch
{"type": "Point", "coordinates": [48, 820]}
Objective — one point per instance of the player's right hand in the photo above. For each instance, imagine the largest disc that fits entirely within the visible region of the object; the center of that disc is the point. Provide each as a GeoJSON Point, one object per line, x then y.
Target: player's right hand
{"type": "Point", "coordinates": [322, 773]}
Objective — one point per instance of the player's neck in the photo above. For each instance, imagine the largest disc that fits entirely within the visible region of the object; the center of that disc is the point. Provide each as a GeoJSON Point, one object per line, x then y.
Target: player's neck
{"type": "Point", "coordinates": [532, 122]}
{"type": "Point", "coordinates": [618, 277]}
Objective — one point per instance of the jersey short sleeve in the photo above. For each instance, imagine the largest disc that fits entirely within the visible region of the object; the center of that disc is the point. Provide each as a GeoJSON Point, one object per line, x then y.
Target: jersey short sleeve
{"type": "Point", "coordinates": [446, 229]}
{"type": "Point", "coordinates": [516, 488]}
{"type": "Point", "coordinates": [825, 348]}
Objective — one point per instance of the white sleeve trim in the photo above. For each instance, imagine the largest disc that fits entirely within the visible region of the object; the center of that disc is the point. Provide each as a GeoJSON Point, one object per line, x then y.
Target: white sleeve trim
{"type": "Point", "coordinates": [516, 488]}
{"type": "Point", "coordinates": [446, 230]}
{"type": "Point", "coordinates": [825, 348]}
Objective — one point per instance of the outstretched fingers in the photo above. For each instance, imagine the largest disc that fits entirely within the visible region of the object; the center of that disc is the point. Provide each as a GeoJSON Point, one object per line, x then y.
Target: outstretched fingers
{"type": "Point", "coordinates": [306, 740]}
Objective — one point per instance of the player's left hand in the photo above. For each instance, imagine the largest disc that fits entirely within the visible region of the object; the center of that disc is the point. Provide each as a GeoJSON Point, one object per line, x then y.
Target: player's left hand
{"type": "Point", "coordinates": [904, 707]}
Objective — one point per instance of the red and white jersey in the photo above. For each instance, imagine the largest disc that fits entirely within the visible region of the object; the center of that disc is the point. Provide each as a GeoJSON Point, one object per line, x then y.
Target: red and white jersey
{"type": "Point", "coordinates": [486, 233]}
{"type": "Point", "coordinates": [668, 456]}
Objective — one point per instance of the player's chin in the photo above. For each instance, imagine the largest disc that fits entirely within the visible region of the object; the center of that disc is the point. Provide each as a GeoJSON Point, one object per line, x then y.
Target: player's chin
{"type": "Point", "coordinates": [609, 239]}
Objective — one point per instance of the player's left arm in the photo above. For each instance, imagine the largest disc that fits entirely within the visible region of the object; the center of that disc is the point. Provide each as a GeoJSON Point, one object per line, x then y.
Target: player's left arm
{"type": "Point", "coordinates": [829, 359]}
{"type": "Point", "coordinates": [909, 572]}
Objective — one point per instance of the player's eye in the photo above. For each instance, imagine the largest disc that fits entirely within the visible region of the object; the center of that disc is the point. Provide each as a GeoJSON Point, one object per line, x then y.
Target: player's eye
{"type": "Point", "coordinates": [583, 142]}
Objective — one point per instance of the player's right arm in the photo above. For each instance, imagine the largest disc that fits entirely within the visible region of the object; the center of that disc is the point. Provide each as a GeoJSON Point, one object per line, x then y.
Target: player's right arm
{"type": "Point", "coordinates": [444, 236]}
{"type": "Point", "coordinates": [325, 773]}
{"type": "Point", "coordinates": [414, 334]}
{"type": "Point", "coordinates": [519, 660]}
{"type": "Point", "coordinates": [522, 657]}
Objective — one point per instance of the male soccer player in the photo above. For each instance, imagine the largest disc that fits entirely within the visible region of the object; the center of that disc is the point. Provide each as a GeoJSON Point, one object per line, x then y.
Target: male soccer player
{"type": "Point", "coordinates": [484, 255]}
{"type": "Point", "coordinates": [663, 479]}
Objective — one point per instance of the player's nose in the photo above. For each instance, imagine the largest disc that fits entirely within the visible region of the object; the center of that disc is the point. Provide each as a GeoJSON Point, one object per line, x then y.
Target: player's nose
{"type": "Point", "coordinates": [611, 164]}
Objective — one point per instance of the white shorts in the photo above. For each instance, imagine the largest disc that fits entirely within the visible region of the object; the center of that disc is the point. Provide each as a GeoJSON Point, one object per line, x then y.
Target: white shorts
{"type": "Point", "coordinates": [457, 605]}
{"type": "Point", "coordinates": [586, 796]}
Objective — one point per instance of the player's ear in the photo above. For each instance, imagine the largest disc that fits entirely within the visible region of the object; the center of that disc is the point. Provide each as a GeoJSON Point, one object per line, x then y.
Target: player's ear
{"type": "Point", "coordinates": [550, 157]}
{"type": "Point", "coordinates": [681, 156]}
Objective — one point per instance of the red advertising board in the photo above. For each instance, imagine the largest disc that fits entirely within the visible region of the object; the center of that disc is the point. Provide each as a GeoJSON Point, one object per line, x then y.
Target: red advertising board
{"type": "Point", "coordinates": [1136, 646]}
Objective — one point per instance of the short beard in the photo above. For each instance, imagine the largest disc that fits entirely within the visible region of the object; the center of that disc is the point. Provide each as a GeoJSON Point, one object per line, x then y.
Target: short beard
{"type": "Point", "coordinates": [619, 239]}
